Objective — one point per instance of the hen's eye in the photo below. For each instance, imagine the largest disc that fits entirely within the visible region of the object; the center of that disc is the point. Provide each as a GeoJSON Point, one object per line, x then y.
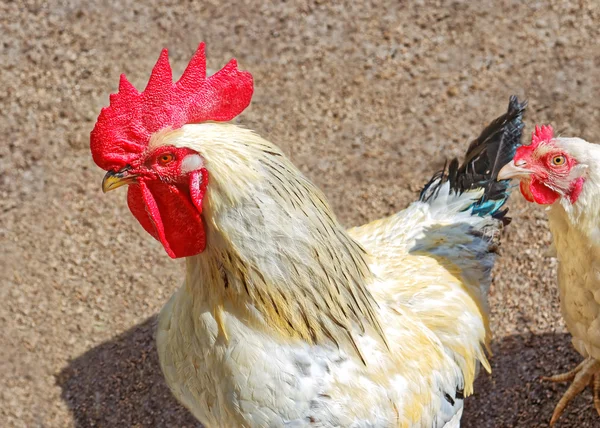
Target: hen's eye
{"type": "Point", "coordinates": [558, 160]}
{"type": "Point", "coordinates": [165, 158]}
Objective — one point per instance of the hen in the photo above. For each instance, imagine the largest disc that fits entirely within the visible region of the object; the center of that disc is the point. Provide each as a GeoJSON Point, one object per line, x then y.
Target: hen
{"type": "Point", "coordinates": [285, 318]}
{"type": "Point", "coordinates": [563, 174]}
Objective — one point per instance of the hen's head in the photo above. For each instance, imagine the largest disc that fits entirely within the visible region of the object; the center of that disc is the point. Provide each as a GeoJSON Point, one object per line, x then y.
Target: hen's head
{"type": "Point", "coordinates": [167, 181]}
{"type": "Point", "coordinates": [549, 168]}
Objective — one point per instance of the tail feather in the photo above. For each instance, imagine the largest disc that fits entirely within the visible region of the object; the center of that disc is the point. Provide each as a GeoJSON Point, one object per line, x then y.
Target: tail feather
{"type": "Point", "coordinates": [487, 154]}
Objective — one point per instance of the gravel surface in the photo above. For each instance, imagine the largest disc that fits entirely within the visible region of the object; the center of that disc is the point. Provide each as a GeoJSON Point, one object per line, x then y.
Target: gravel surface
{"type": "Point", "coordinates": [368, 98]}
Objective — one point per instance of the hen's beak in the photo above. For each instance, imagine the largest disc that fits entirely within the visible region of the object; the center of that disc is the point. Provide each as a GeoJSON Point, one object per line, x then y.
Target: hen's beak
{"type": "Point", "coordinates": [510, 170]}
{"type": "Point", "coordinates": [114, 179]}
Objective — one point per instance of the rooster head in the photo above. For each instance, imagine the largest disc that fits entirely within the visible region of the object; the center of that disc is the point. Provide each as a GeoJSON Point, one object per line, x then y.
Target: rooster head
{"type": "Point", "coordinates": [167, 183]}
{"type": "Point", "coordinates": [549, 168]}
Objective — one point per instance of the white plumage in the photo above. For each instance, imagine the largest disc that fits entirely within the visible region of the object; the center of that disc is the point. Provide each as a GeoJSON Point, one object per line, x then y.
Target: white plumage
{"type": "Point", "coordinates": [286, 319]}
{"type": "Point", "coordinates": [563, 173]}
{"type": "Point", "coordinates": [232, 360]}
{"type": "Point", "coordinates": [576, 232]}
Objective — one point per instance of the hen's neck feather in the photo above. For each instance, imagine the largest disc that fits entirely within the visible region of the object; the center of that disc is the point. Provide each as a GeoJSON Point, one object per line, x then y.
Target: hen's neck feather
{"type": "Point", "coordinates": [584, 214]}
{"type": "Point", "coordinates": [275, 251]}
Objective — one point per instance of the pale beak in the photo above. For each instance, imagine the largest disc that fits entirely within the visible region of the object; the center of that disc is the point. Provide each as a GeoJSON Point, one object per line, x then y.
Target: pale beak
{"type": "Point", "coordinates": [115, 179]}
{"type": "Point", "coordinates": [510, 170]}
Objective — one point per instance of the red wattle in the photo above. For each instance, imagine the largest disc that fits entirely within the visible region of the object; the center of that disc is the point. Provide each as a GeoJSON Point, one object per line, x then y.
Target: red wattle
{"type": "Point", "coordinates": [541, 194]}
{"type": "Point", "coordinates": [576, 189]}
{"type": "Point", "coordinates": [167, 213]}
{"type": "Point", "coordinates": [524, 187]}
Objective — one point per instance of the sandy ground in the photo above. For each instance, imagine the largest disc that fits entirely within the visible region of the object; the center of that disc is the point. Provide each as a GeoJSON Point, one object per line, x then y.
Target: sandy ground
{"type": "Point", "coordinates": [368, 98]}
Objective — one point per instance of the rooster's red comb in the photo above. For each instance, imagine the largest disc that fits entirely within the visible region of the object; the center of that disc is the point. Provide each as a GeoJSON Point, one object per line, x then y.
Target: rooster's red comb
{"type": "Point", "coordinates": [542, 133]}
{"type": "Point", "coordinates": [124, 128]}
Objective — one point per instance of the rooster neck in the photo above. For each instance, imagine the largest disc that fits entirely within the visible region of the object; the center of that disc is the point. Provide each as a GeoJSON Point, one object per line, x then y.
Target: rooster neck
{"type": "Point", "coordinates": [276, 255]}
{"type": "Point", "coordinates": [294, 309]}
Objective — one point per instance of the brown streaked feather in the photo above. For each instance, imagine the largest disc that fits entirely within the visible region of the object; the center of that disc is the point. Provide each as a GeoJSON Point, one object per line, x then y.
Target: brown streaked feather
{"type": "Point", "coordinates": [309, 278]}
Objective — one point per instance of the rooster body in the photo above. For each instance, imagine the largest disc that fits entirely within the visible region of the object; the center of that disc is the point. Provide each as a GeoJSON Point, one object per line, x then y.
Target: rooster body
{"type": "Point", "coordinates": [241, 342]}
{"type": "Point", "coordinates": [284, 317]}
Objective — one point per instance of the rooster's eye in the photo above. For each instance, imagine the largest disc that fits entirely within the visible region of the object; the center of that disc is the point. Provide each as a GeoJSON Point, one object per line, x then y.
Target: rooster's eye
{"type": "Point", "coordinates": [558, 160]}
{"type": "Point", "coordinates": [165, 158]}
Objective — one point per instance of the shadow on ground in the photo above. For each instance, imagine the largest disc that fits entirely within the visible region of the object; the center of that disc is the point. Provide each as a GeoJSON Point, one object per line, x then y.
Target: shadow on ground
{"type": "Point", "coordinates": [119, 384]}
{"type": "Point", "coordinates": [517, 365]}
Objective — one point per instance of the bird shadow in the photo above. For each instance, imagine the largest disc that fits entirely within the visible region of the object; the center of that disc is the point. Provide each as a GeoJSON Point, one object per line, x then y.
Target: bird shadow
{"type": "Point", "coordinates": [119, 384]}
{"type": "Point", "coordinates": [514, 395]}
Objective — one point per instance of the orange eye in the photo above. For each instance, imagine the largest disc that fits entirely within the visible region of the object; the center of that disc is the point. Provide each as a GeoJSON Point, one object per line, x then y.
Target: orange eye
{"type": "Point", "coordinates": [165, 158]}
{"type": "Point", "coordinates": [558, 160]}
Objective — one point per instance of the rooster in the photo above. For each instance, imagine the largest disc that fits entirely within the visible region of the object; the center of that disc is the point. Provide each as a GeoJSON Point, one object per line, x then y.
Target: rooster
{"type": "Point", "coordinates": [562, 173]}
{"type": "Point", "coordinates": [284, 317]}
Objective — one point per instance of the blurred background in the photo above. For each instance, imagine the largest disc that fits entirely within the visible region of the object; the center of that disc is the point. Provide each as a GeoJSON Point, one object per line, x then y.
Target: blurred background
{"type": "Point", "coordinates": [368, 98]}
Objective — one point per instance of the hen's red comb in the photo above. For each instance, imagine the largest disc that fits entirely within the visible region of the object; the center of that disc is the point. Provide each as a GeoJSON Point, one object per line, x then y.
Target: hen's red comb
{"type": "Point", "coordinates": [124, 128]}
{"type": "Point", "coordinates": [541, 134]}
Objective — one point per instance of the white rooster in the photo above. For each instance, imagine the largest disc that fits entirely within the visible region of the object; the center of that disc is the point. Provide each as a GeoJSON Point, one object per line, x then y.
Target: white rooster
{"type": "Point", "coordinates": [285, 319]}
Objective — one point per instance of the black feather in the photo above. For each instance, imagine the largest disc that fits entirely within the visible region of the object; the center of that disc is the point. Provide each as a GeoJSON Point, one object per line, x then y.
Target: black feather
{"type": "Point", "coordinates": [487, 154]}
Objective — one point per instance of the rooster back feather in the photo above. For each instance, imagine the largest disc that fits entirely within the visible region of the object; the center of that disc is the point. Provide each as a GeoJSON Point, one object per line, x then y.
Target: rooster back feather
{"type": "Point", "coordinates": [487, 154]}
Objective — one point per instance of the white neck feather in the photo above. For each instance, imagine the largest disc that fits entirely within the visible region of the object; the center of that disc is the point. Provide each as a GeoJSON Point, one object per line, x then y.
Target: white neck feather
{"type": "Point", "coordinates": [584, 213]}
{"type": "Point", "coordinates": [274, 247]}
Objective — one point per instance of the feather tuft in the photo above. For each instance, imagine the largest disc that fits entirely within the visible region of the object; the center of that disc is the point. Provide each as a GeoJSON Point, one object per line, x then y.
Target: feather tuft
{"type": "Point", "coordinates": [486, 155]}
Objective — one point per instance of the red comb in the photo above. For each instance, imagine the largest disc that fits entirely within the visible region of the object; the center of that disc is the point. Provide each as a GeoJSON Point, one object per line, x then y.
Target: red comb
{"type": "Point", "coordinates": [541, 133]}
{"type": "Point", "coordinates": [124, 128]}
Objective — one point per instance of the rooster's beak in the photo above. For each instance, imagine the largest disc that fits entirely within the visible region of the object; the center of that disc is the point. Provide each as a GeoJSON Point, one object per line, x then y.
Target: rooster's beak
{"type": "Point", "coordinates": [114, 179]}
{"type": "Point", "coordinates": [510, 170]}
